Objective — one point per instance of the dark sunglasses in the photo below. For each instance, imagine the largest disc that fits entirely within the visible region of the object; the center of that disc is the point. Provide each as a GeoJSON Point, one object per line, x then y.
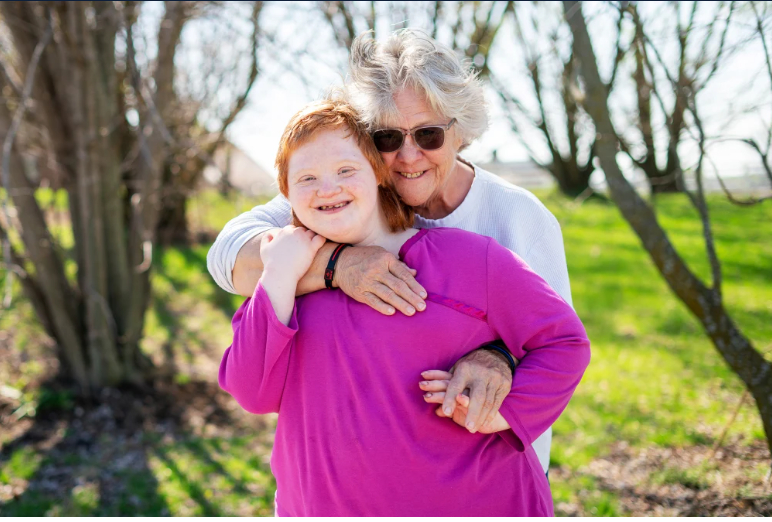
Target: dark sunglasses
{"type": "Point", "coordinates": [429, 137]}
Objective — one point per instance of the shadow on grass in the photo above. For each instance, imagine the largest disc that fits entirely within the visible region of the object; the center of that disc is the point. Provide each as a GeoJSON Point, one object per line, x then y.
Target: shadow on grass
{"type": "Point", "coordinates": [106, 458]}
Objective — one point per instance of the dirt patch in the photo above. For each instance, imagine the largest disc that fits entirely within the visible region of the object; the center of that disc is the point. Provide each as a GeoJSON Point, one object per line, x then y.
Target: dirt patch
{"type": "Point", "coordinates": [98, 444]}
{"type": "Point", "coordinates": [680, 481]}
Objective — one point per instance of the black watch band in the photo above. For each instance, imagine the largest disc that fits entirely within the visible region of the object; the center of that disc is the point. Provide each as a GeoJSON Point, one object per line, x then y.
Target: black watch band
{"type": "Point", "coordinates": [496, 347]}
{"type": "Point", "coordinates": [329, 272]}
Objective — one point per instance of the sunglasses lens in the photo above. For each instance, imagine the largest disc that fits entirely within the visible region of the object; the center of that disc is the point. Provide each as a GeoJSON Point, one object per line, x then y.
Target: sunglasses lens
{"type": "Point", "coordinates": [387, 140]}
{"type": "Point", "coordinates": [430, 138]}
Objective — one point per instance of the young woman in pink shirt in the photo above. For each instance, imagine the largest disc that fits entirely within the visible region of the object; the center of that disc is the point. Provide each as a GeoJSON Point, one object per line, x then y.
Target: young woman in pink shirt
{"type": "Point", "coordinates": [368, 442]}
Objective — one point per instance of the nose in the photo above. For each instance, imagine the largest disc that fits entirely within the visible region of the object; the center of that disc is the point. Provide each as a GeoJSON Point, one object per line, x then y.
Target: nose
{"type": "Point", "coordinates": [328, 188]}
{"type": "Point", "coordinates": [409, 151]}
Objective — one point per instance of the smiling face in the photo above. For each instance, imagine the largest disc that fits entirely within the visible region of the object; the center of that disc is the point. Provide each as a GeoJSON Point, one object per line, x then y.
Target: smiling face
{"type": "Point", "coordinates": [420, 176]}
{"type": "Point", "coordinates": [333, 189]}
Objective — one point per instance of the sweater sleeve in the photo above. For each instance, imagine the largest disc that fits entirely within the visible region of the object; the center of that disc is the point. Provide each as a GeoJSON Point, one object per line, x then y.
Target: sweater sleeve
{"type": "Point", "coordinates": [547, 257]}
{"type": "Point", "coordinates": [222, 255]}
{"type": "Point", "coordinates": [254, 368]}
{"type": "Point", "coordinates": [544, 332]}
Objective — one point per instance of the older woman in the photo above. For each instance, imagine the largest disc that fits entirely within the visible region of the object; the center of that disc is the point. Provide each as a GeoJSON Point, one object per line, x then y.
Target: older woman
{"type": "Point", "coordinates": [410, 90]}
{"type": "Point", "coordinates": [354, 437]}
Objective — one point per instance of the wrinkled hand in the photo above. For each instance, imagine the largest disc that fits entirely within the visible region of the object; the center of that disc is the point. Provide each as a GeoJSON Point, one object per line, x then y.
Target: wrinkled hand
{"type": "Point", "coordinates": [487, 376]}
{"type": "Point", "coordinates": [375, 277]}
{"type": "Point", "coordinates": [289, 251]}
{"type": "Point", "coordinates": [439, 381]}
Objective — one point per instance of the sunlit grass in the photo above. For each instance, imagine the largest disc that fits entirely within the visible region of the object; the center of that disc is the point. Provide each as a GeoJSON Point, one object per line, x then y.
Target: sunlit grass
{"type": "Point", "coordinates": [655, 378]}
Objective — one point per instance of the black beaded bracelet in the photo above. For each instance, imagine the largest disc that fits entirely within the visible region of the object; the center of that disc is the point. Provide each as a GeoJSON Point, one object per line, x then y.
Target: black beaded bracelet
{"type": "Point", "coordinates": [329, 273]}
{"type": "Point", "coordinates": [503, 351]}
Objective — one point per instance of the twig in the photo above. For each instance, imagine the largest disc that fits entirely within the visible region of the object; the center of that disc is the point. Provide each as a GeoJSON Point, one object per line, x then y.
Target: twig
{"type": "Point", "coordinates": [702, 206]}
{"type": "Point", "coordinates": [8, 144]}
{"type": "Point", "coordinates": [720, 440]}
{"type": "Point", "coordinates": [740, 202]}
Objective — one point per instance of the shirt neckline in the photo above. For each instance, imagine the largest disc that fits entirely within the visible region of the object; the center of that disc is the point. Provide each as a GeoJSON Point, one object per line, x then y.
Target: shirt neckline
{"type": "Point", "coordinates": [466, 205]}
{"type": "Point", "coordinates": [407, 245]}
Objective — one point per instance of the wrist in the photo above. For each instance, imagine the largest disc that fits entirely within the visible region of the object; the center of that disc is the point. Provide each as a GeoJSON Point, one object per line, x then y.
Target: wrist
{"type": "Point", "coordinates": [500, 351]}
{"type": "Point", "coordinates": [340, 264]}
{"type": "Point", "coordinates": [278, 277]}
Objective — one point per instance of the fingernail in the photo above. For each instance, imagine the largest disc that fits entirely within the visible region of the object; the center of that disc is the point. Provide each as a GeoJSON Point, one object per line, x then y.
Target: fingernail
{"type": "Point", "coordinates": [427, 395]}
{"type": "Point", "coordinates": [421, 306]}
{"type": "Point", "coordinates": [447, 412]}
{"type": "Point", "coordinates": [391, 311]}
{"type": "Point", "coordinates": [470, 426]}
{"type": "Point", "coordinates": [423, 374]}
{"type": "Point", "coordinates": [410, 310]}
{"type": "Point", "coordinates": [423, 383]}
{"type": "Point", "coordinates": [423, 293]}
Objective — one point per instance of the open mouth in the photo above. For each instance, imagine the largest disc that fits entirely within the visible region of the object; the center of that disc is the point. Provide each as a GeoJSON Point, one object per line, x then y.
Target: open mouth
{"type": "Point", "coordinates": [413, 175]}
{"type": "Point", "coordinates": [333, 208]}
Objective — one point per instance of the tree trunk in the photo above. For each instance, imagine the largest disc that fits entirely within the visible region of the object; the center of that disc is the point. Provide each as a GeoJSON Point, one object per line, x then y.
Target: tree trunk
{"type": "Point", "coordinates": [75, 95]}
{"type": "Point", "coordinates": [572, 179]}
{"type": "Point", "coordinates": [704, 302]}
{"type": "Point", "coordinates": [173, 222]}
{"type": "Point", "coordinates": [113, 173]}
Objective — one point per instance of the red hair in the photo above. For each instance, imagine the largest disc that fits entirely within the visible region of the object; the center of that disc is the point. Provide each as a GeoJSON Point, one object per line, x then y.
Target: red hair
{"type": "Point", "coordinates": [337, 114]}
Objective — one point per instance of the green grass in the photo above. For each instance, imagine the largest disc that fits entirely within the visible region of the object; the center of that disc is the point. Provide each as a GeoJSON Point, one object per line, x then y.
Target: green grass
{"type": "Point", "coordinates": [654, 380]}
{"type": "Point", "coordinates": [194, 476]}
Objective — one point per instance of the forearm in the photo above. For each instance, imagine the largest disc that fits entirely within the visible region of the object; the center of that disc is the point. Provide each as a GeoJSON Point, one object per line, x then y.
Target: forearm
{"type": "Point", "coordinates": [248, 269]}
{"type": "Point", "coordinates": [254, 368]}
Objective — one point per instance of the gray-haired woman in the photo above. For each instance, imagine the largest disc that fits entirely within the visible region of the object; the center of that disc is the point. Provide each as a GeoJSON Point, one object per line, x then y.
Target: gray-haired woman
{"type": "Point", "coordinates": [411, 90]}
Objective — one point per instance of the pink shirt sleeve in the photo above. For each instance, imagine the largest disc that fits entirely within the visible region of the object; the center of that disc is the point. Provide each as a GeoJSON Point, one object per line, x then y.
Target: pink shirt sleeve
{"type": "Point", "coordinates": [544, 332]}
{"type": "Point", "coordinates": [254, 368]}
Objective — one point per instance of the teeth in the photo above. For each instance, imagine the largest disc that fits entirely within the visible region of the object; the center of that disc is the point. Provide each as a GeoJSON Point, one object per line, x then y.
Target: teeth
{"type": "Point", "coordinates": [411, 175]}
{"type": "Point", "coordinates": [328, 207]}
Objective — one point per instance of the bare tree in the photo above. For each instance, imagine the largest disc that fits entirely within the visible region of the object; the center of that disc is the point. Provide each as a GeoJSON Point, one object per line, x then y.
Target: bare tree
{"type": "Point", "coordinates": [473, 26]}
{"type": "Point", "coordinates": [705, 301]}
{"type": "Point", "coordinates": [565, 131]}
{"type": "Point", "coordinates": [192, 145]}
{"type": "Point", "coordinates": [104, 117]}
{"type": "Point", "coordinates": [685, 79]}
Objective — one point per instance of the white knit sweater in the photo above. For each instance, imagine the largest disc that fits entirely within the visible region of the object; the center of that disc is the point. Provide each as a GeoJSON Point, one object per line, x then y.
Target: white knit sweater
{"type": "Point", "coordinates": [511, 215]}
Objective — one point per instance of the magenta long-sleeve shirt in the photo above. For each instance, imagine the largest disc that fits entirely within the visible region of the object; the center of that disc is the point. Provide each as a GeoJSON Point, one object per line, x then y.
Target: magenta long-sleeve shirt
{"type": "Point", "coordinates": [354, 435]}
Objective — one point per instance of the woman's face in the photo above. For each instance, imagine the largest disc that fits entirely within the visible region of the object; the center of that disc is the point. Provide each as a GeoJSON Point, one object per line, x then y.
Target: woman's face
{"type": "Point", "coordinates": [333, 189]}
{"type": "Point", "coordinates": [420, 176]}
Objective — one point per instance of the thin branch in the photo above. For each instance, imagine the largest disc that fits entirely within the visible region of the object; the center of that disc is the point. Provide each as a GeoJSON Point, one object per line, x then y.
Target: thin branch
{"type": "Point", "coordinates": [760, 27]}
{"type": "Point", "coordinates": [764, 156]}
{"type": "Point", "coordinates": [5, 70]}
{"type": "Point", "coordinates": [11, 136]}
{"type": "Point", "coordinates": [253, 72]}
{"type": "Point", "coordinates": [533, 70]}
{"type": "Point", "coordinates": [702, 207]}
{"type": "Point", "coordinates": [511, 103]}
{"type": "Point", "coordinates": [749, 202]}
{"type": "Point", "coordinates": [620, 52]}
{"type": "Point", "coordinates": [720, 51]}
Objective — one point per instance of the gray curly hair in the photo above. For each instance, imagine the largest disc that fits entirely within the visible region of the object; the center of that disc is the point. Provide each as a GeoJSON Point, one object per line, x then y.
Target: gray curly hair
{"type": "Point", "coordinates": [409, 58]}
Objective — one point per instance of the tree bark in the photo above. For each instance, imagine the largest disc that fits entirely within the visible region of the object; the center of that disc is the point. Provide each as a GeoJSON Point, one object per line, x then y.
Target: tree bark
{"type": "Point", "coordinates": [705, 303]}
{"type": "Point", "coordinates": [112, 172]}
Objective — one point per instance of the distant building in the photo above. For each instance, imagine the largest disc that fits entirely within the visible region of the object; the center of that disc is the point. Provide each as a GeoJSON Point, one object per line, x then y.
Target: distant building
{"type": "Point", "coordinates": [241, 172]}
{"type": "Point", "coordinates": [524, 174]}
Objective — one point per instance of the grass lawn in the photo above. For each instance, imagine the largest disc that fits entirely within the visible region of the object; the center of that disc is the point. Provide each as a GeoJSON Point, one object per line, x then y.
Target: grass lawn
{"type": "Point", "coordinates": [655, 386]}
